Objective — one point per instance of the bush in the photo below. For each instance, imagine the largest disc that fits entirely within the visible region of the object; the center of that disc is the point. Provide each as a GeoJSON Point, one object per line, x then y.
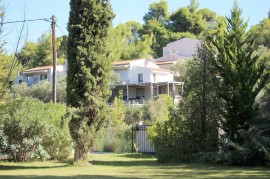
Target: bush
{"type": "Point", "coordinates": [158, 108]}
{"type": "Point", "coordinates": [114, 139]}
{"type": "Point", "coordinates": [134, 114]}
{"type": "Point", "coordinates": [252, 150]}
{"type": "Point", "coordinates": [171, 139]}
{"type": "Point", "coordinates": [30, 129]}
{"type": "Point", "coordinates": [41, 90]}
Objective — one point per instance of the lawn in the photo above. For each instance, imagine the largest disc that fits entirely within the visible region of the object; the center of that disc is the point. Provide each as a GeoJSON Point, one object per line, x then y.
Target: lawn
{"type": "Point", "coordinates": [125, 166]}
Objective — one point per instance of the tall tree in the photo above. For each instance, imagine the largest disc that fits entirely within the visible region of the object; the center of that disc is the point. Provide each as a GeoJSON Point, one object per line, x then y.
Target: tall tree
{"type": "Point", "coordinates": [241, 77]}
{"type": "Point", "coordinates": [262, 32]}
{"type": "Point", "coordinates": [201, 101]}
{"type": "Point", "coordinates": [158, 11]}
{"type": "Point", "coordinates": [185, 20]}
{"type": "Point", "coordinates": [39, 53]}
{"type": "Point", "coordinates": [126, 42]}
{"type": "Point", "coordinates": [193, 6]}
{"type": "Point", "coordinates": [87, 74]}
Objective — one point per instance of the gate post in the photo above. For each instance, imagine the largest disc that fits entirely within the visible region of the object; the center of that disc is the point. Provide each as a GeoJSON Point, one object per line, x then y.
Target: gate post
{"type": "Point", "coordinates": [132, 144]}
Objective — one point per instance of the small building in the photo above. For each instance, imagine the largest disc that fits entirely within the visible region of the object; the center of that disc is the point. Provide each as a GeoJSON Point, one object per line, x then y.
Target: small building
{"type": "Point", "coordinates": [178, 50]}
{"type": "Point", "coordinates": [35, 75]}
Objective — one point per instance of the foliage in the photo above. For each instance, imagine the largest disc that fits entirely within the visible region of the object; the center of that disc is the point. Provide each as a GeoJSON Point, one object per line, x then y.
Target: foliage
{"type": "Point", "coordinates": [58, 141]}
{"type": "Point", "coordinates": [253, 151]}
{"type": "Point", "coordinates": [39, 53]}
{"type": "Point", "coordinates": [158, 11]}
{"type": "Point", "coordinates": [135, 114]}
{"type": "Point", "coordinates": [5, 70]}
{"type": "Point", "coordinates": [193, 127]}
{"type": "Point", "coordinates": [162, 35]}
{"type": "Point", "coordinates": [241, 77]}
{"type": "Point", "coordinates": [201, 102]}
{"type": "Point", "coordinates": [158, 108]}
{"type": "Point", "coordinates": [262, 33]}
{"type": "Point", "coordinates": [41, 90]}
{"type": "Point", "coordinates": [87, 74]}
{"type": "Point", "coordinates": [184, 20]}
{"type": "Point", "coordinates": [30, 129]}
{"type": "Point", "coordinates": [114, 139]}
{"type": "Point", "coordinates": [126, 42]}
{"type": "Point", "coordinates": [171, 139]}
{"type": "Point", "coordinates": [180, 69]}
{"type": "Point", "coordinates": [117, 111]}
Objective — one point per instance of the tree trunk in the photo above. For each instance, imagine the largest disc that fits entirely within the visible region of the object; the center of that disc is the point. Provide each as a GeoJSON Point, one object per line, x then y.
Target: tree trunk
{"type": "Point", "coordinates": [76, 154]}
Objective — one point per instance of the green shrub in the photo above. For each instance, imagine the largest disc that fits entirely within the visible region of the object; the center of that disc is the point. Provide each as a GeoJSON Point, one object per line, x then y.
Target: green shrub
{"type": "Point", "coordinates": [114, 139]}
{"type": "Point", "coordinates": [134, 114]}
{"type": "Point", "coordinates": [31, 129]}
{"type": "Point", "coordinates": [252, 150]}
{"type": "Point", "coordinates": [158, 108]}
{"type": "Point", "coordinates": [171, 139]}
{"type": "Point", "coordinates": [41, 90]}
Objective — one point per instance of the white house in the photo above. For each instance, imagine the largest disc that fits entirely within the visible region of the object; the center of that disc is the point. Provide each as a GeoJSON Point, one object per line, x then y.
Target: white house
{"type": "Point", "coordinates": [35, 75]}
{"type": "Point", "coordinates": [142, 80]}
{"type": "Point", "coordinates": [178, 50]}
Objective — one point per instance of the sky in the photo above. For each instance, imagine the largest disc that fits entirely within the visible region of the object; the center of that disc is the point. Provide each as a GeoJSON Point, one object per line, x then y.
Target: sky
{"type": "Point", "coordinates": [125, 10]}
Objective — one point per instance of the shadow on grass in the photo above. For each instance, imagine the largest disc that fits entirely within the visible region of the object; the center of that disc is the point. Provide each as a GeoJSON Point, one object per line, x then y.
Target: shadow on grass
{"type": "Point", "coordinates": [60, 177]}
{"type": "Point", "coordinates": [124, 163]}
{"type": "Point", "coordinates": [137, 155]}
{"type": "Point", "coordinates": [22, 167]}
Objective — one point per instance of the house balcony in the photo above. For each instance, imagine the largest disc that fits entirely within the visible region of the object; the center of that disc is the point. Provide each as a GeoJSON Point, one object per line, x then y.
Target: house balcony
{"type": "Point", "coordinates": [140, 93]}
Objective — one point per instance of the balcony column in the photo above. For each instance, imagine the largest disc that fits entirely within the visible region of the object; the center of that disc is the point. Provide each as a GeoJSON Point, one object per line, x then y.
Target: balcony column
{"type": "Point", "coordinates": [151, 90]}
{"type": "Point", "coordinates": [173, 92]}
{"type": "Point", "coordinates": [168, 89]}
{"type": "Point", "coordinates": [127, 93]}
{"type": "Point", "coordinates": [157, 90]}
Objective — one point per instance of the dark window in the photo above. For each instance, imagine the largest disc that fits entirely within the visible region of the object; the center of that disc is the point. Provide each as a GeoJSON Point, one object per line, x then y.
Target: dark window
{"type": "Point", "coordinates": [140, 93]}
{"type": "Point", "coordinates": [140, 77]}
{"type": "Point", "coordinates": [43, 77]}
{"type": "Point", "coordinates": [20, 81]}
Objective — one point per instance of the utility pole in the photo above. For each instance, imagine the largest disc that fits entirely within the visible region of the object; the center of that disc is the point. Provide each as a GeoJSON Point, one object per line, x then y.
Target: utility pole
{"type": "Point", "coordinates": [54, 57]}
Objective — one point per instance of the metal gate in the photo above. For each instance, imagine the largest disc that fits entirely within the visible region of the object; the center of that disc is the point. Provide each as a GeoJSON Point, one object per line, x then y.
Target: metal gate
{"type": "Point", "coordinates": [140, 141]}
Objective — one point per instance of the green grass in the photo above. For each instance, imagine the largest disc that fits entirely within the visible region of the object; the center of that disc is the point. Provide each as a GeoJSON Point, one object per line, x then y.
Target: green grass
{"type": "Point", "coordinates": [125, 166]}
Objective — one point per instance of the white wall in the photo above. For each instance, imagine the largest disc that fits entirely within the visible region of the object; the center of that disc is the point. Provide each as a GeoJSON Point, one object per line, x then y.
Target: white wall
{"type": "Point", "coordinates": [135, 70]}
{"type": "Point", "coordinates": [123, 75]}
{"type": "Point", "coordinates": [185, 47]}
{"type": "Point", "coordinates": [34, 77]}
{"type": "Point", "coordinates": [140, 62]}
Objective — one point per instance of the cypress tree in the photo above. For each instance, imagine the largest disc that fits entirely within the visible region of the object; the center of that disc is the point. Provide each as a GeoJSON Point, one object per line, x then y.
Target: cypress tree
{"type": "Point", "coordinates": [241, 76]}
{"type": "Point", "coordinates": [88, 69]}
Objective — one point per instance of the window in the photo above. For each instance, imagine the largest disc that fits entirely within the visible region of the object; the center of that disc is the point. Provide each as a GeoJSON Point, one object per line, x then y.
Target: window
{"type": "Point", "coordinates": [43, 77]}
{"type": "Point", "coordinates": [140, 77]}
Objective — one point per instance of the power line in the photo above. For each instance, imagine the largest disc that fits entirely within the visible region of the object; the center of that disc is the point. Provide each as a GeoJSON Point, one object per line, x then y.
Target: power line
{"type": "Point", "coordinates": [61, 30]}
{"type": "Point", "coordinates": [27, 20]}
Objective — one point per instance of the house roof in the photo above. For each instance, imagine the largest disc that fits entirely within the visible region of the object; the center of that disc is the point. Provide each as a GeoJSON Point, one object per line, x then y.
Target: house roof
{"type": "Point", "coordinates": [165, 62]}
{"type": "Point", "coordinates": [160, 70]}
{"type": "Point", "coordinates": [39, 69]}
{"type": "Point", "coordinates": [125, 62]}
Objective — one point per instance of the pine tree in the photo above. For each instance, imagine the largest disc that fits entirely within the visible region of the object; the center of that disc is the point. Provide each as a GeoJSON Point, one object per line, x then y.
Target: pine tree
{"type": "Point", "coordinates": [201, 101]}
{"type": "Point", "coordinates": [88, 69]}
{"type": "Point", "coordinates": [241, 77]}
